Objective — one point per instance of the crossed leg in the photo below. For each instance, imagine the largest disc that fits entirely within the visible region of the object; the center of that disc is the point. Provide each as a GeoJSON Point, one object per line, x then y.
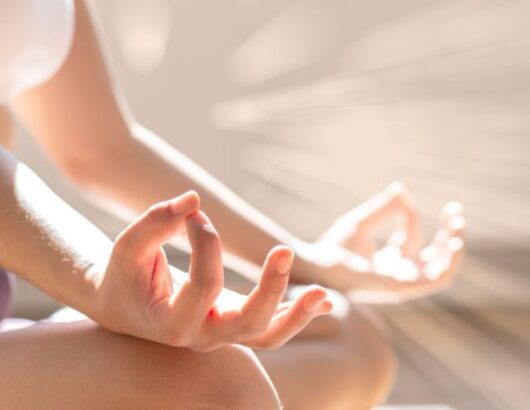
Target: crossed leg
{"type": "Point", "coordinates": [338, 362]}
{"type": "Point", "coordinates": [80, 365]}
{"type": "Point", "coordinates": [346, 364]}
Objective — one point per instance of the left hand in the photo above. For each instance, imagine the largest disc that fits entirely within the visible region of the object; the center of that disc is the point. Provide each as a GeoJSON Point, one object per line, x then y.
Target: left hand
{"type": "Point", "coordinates": [346, 257]}
{"type": "Point", "coordinates": [135, 294]}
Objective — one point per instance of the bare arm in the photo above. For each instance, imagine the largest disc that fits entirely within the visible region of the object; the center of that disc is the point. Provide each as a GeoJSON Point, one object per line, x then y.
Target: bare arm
{"type": "Point", "coordinates": [80, 119]}
{"type": "Point", "coordinates": [128, 287]}
{"type": "Point", "coordinates": [44, 240]}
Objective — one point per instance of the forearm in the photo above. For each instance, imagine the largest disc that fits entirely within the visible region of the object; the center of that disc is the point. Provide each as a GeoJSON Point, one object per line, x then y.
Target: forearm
{"type": "Point", "coordinates": [97, 146]}
{"type": "Point", "coordinates": [45, 241]}
{"type": "Point", "coordinates": [127, 176]}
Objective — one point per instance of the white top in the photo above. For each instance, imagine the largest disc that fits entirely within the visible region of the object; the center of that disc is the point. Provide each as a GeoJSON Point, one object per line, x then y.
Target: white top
{"type": "Point", "coordinates": [35, 38]}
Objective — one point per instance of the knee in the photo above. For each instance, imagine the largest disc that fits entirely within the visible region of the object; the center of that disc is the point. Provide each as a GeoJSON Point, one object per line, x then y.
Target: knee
{"type": "Point", "coordinates": [239, 381]}
{"type": "Point", "coordinates": [366, 359]}
{"type": "Point", "coordinates": [227, 378]}
{"type": "Point", "coordinates": [384, 365]}
{"type": "Point", "coordinates": [377, 360]}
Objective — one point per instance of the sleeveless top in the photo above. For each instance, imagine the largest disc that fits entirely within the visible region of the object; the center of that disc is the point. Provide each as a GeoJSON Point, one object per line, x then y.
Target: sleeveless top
{"type": "Point", "coordinates": [35, 38]}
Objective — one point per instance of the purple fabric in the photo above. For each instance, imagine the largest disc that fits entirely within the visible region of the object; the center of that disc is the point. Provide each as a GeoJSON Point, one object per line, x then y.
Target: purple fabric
{"type": "Point", "coordinates": [5, 293]}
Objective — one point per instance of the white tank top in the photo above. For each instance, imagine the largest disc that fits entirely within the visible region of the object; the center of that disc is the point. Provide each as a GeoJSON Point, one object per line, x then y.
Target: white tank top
{"type": "Point", "coordinates": [35, 38]}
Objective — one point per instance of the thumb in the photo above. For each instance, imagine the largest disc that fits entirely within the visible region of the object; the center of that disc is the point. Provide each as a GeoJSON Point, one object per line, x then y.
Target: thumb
{"type": "Point", "coordinates": [143, 238]}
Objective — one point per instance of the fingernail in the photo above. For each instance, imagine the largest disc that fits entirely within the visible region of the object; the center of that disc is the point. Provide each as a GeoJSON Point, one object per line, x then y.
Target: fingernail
{"type": "Point", "coordinates": [313, 304]}
{"type": "Point", "coordinates": [284, 262]}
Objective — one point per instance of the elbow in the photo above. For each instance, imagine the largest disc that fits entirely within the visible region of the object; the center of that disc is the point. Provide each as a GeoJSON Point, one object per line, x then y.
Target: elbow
{"type": "Point", "coordinates": [91, 161]}
{"type": "Point", "coordinates": [86, 168]}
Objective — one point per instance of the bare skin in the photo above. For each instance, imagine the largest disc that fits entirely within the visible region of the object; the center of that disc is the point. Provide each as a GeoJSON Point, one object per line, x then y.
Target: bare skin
{"type": "Point", "coordinates": [83, 366]}
{"type": "Point", "coordinates": [136, 293]}
{"type": "Point", "coordinates": [6, 128]}
{"type": "Point", "coordinates": [328, 343]}
{"type": "Point", "coordinates": [128, 287]}
{"type": "Point", "coordinates": [351, 367]}
{"type": "Point", "coordinates": [106, 150]}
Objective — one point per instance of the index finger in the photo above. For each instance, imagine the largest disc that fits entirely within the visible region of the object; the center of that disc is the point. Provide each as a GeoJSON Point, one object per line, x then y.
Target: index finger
{"type": "Point", "coordinates": [394, 201]}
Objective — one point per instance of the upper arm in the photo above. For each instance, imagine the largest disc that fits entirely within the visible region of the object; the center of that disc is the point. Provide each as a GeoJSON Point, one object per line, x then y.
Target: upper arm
{"type": "Point", "coordinates": [75, 115]}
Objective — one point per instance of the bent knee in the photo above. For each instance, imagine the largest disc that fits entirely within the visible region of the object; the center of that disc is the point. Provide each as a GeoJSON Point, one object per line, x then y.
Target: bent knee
{"type": "Point", "coordinates": [230, 377]}
{"type": "Point", "coordinates": [384, 365]}
{"type": "Point", "coordinates": [116, 371]}
{"type": "Point", "coordinates": [369, 363]}
{"type": "Point", "coordinates": [240, 381]}
{"type": "Point", "coordinates": [377, 359]}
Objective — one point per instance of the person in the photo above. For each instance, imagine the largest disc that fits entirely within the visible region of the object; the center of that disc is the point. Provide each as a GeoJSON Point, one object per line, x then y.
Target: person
{"type": "Point", "coordinates": [151, 335]}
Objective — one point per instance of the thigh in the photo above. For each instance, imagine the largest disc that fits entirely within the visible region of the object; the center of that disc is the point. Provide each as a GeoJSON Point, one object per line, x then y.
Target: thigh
{"type": "Point", "coordinates": [80, 365]}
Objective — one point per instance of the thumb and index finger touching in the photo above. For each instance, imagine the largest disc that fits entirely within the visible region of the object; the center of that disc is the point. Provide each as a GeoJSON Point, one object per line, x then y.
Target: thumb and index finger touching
{"type": "Point", "coordinates": [394, 202]}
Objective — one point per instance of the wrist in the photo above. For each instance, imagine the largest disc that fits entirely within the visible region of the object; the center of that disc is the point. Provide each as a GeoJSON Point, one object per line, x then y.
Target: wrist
{"type": "Point", "coordinates": [80, 289]}
{"type": "Point", "coordinates": [90, 296]}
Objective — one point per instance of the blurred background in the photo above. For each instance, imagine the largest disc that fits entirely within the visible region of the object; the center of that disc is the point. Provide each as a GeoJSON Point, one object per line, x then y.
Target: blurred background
{"type": "Point", "coordinates": [305, 108]}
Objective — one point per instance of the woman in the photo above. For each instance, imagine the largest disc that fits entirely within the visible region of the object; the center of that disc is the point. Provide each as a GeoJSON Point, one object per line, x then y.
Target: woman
{"type": "Point", "coordinates": [188, 330]}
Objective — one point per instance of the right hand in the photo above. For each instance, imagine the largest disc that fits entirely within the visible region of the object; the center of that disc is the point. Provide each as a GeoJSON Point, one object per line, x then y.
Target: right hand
{"type": "Point", "coordinates": [347, 257]}
{"type": "Point", "coordinates": [135, 294]}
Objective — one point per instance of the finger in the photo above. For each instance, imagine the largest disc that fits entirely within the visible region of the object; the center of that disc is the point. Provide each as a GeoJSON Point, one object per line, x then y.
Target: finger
{"type": "Point", "coordinates": [397, 202]}
{"type": "Point", "coordinates": [437, 275]}
{"type": "Point", "coordinates": [453, 208]}
{"type": "Point", "coordinates": [154, 227]}
{"type": "Point", "coordinates": [197, 296]}
{"type": "Point", "coordinates": [263, 301]}
{"type": "Point", "coordinates": [330, 324]}
{"type": "Point", "coordinates": [443, 268]}
{"type": "Point", "coordinates": [161, 282]}
{"type": "Point", "coordinates": [394, 201]}
{"type": "Point", "coordinates": [282, 307]}
{"type": "Point", "coordinates": [452, 224]}
{"type": "Point", "coordinates": [287, 324]}
{"type": "Point", "coordinates": [456, 226]}
{"type": "Point", "coordinates": [456, 249]}
{"type": "Point", "coordinates": [452, 219]}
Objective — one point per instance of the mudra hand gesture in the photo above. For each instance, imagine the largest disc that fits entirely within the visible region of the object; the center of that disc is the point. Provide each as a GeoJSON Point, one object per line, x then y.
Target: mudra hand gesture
{"type": "Point", "coordinates": [136, 294]}
{"type": "Point", "coordinates": [346, 256]}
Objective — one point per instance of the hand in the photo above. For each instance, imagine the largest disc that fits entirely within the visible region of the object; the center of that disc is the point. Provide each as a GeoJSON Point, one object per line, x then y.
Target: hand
{"type": "Point", "coordinates": [135, 295]}
{"type": "Point", "coordinates": [346, 257]}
